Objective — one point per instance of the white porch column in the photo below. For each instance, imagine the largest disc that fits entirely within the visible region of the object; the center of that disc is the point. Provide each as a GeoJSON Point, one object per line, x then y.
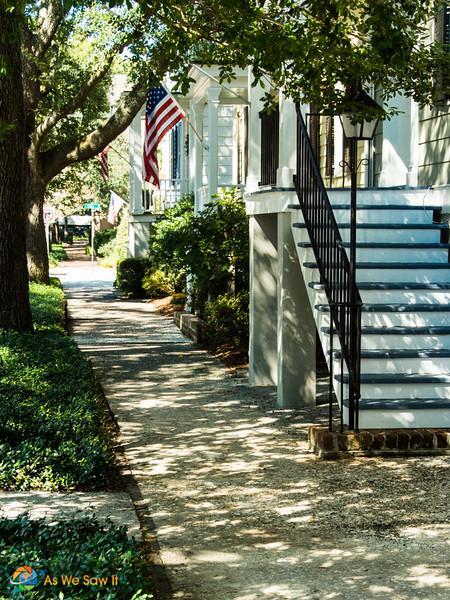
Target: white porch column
{"type": "Point", "coordinates": [197, 167]}
{"type": "Point", "coordinates": [396, 145]}
{"type": "Point", "coordinates": [213, 139]}
{"type": "Point", "coordinates": [263, 300]}
{"type": "Point", "coordinates": [296, 328]}
{"type": "Point", "coordinates": [288, 142]}
{"type": "Point", "coordinates": [412, 177]}
{"type": "Point", "coordinates": [254, 135]}
{"type": "Point", "coordinates": [135, 153]}
{"type": "Point", "coordinates": [192, 139]}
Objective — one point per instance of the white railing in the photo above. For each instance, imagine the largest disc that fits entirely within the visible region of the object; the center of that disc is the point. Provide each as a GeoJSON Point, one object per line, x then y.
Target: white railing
{"type": "Point", "coordinates": [170, 192]}
{"type": "Point", "coordinates": [203, 195]}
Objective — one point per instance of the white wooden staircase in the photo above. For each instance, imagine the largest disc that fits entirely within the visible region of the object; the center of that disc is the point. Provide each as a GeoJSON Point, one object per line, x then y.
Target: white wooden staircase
{"type": "Point", "coordinates": [403, 278]}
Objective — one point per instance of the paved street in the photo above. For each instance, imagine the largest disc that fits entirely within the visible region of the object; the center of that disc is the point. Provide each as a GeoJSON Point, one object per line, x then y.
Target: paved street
{"type": "Point", "coordinates": [241, 510]}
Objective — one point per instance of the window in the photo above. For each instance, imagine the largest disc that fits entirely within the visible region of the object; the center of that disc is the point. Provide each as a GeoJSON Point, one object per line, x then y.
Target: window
{"type": "Point", "coordinates": [176, 149]}
{"type": "Point", "coordinates": [269, 146]}
{"type": "Point", "coordinates": [329, 155]}
{"type": "Point", "coordinates": [442, 35]}
{"type": "Point", "coordinates": [314, 131]}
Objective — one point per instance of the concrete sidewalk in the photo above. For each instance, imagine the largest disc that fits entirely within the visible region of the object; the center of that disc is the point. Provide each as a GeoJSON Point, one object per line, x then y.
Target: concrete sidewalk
{"type": "Point", "coordinates": [241, 510]}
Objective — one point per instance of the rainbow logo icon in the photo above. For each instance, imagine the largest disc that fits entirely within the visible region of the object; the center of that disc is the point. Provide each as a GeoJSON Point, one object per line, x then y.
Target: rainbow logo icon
{"type": "Point", "coordinates": [25, 578]}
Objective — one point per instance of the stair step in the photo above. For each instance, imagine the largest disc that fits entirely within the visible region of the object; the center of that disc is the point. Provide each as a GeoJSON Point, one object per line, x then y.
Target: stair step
{"type": "Point", "coordinates": [376, 206]}
{"type": "Point", "coordinates": [402, 353]}
{"type": "Point", "coordinates": [397, 226]}
{"type": "Point", "coordinates": [403, 403]}
{"type": "Point", "coordinates": [389, 379]}
{"type": "Point", "coordinates": [403, 207]}
{"type": "Point", "coordinates": [390, 265]}
{"type": "Point", "coordinates": [399, 330]}
{"type": "Point", "coordinates": [395, 308]}
{"type": "Point", "coordinates": [388, 245]}
{"type": "Point", "coordinates": [390, 285]}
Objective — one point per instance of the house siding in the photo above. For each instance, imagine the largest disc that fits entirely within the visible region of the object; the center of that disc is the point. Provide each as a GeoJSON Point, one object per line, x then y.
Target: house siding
{"type": "Point", "coordinates": [434, 146]}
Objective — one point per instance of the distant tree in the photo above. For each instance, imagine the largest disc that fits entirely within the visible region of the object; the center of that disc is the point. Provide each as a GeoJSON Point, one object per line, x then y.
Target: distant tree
{"type": "Point", "coordinates": [70, 52]}
{"type": "Point", "coordinates": [82, 182]}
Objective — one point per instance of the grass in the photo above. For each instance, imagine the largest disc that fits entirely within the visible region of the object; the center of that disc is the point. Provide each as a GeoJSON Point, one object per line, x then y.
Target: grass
{"type": "Point", "coordinates": [57, 254]}
{"type": "Point", "coordinates": [53, 429]}
{"type": "Point", "coordinates": [82, 548]}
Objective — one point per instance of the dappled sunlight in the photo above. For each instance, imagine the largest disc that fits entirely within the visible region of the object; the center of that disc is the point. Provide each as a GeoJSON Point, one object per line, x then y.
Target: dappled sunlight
{"type": "Point", "coordinates": [242, 510]}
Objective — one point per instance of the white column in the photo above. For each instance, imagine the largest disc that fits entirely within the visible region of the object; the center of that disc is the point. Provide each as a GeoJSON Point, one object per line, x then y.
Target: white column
{"type": "Point", "coordinates": [296, 329]}
{"type": "Point", "coordinates": [412, 177]}
{"type": "Point", "coordinates": [263, 300]}
{"type": "Point", "coordinates": [396, 145]}
{"type": "Point", "coordinates": [192, 140]}
{"type": "Point", "coordinates": [213, 139]}
{"type": "Point", "coordinates": [254, 135]}
{"type": "Point", "coordinates": [135, 153]}
{"type": "Point", "coordinates": [198, 156]}
{"type": "Point", "coordinates": [287, 143]}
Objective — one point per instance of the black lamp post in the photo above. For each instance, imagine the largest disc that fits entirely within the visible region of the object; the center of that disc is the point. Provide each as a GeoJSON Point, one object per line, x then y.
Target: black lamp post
{"type": "Point", "coordinates": [359, 119]}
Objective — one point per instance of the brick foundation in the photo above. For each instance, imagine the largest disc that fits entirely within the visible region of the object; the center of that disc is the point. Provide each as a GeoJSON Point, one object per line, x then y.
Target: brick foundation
{"type": "Point", "coordinates": [376, 442]}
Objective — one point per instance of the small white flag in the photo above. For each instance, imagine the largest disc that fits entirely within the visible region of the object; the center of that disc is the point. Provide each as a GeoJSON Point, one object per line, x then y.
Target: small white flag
{"type": "Point", "coordinates": [115, 204]}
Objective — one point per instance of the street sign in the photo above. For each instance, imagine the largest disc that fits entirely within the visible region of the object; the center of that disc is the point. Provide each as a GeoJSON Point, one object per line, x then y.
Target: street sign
{"type": "Point", "coordinates": [92, 206]}
{"type": "Point", "coordinates": [49, 214]}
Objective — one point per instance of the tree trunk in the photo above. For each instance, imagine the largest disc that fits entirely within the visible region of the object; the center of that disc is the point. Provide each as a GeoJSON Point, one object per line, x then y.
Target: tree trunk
{"type": "Point", "coordinates": [38, 267]}
{"type": "Point", "coordinates": [15, 310]}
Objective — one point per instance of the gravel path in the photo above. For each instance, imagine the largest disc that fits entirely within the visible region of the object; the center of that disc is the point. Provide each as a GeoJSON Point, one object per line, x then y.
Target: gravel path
{"type": "Point", "coordinates": [242, 510]}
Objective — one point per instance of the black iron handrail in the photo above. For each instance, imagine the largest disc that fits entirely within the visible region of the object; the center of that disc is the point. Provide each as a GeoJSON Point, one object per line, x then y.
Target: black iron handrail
{"type": "Point", "coordinates": [335, 271]}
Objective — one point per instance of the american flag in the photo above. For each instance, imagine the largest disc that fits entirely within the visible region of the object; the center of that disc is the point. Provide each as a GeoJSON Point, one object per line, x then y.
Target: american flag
{"type": "Point", "coordinates": [162, 113]}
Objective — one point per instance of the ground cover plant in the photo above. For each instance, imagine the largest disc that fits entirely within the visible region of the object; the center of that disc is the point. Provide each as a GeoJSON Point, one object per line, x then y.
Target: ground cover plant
{"type": "Point", "coordinates": [78, 548]}
{"type": "Point", "coordinates": [52, 426]}
{"type": "Point", "coordinates": [57, 254]}
{"type": "Point", "coordinates": [47, 304]}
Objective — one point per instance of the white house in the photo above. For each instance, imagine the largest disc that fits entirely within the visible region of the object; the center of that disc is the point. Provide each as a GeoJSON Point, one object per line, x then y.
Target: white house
{"type": "Point", "coordinates": [403, 271]}
{"type": "Point", "coordinates": [199, 156]}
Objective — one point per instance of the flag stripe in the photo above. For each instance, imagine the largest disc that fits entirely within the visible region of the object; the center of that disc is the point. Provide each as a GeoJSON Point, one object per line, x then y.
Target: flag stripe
{"type": "Point", "coordinates": [161, 117]}
{"type": "Point", "coordinates": [162, 114]}
{"type": "Point", "coordinates": [172, 120]}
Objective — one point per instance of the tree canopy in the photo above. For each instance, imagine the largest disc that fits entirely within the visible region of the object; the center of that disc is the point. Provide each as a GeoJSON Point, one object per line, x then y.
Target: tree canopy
{"type": "Point", "coordinates": [315, 49]}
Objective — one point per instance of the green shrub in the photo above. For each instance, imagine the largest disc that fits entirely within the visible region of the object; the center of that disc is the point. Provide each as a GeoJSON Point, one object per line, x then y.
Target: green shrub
{"type": "Point", "coordinates": [157, 284]}
{"type": "Point", "coordinates": [102, 238]}
{"type": "Point", "coordinates": [81, 546]}
{"type": "Point", "coordinates": [213, 246]}
{"type": "Point", "coordinates": [47, 304]}
{"type": "Point", "coordinates": [52, 427]}
{"type": "Point", "coordinates": [57, 254]}
{"type": "Point", "coordinates": [130, 272]}
{"type": "Point", "coordinates": [227, 322]}
{"type": "Point", "coordinates": [178, 300]}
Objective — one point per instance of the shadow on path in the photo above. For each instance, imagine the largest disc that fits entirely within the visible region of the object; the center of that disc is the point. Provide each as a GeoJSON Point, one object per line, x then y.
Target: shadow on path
{"type": "Point", "coordinates": [242, 511]}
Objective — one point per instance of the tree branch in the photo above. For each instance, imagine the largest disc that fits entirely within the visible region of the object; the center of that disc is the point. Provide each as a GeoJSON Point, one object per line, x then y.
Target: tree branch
{"type": "Point", "coordinates": [75, 102]}
{"type": "Point", "coordinates": [56, 159]}
{"type": "Point", "coordinates": [47, 28]}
